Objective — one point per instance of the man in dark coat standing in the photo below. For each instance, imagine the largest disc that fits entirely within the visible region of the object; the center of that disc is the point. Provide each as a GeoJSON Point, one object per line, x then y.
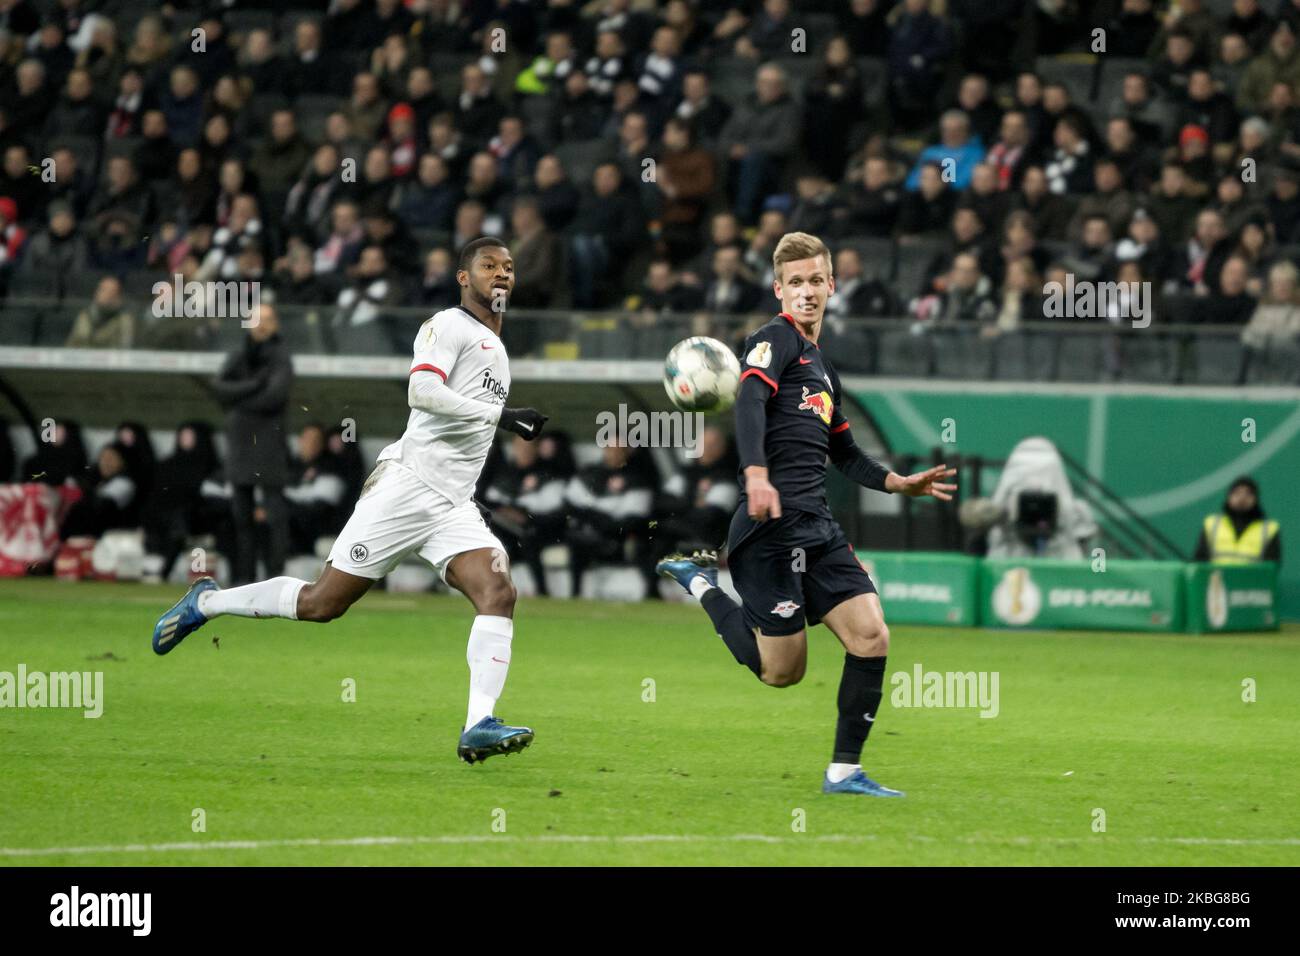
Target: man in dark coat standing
{"type": "Point", "coordinates": [253, 387]}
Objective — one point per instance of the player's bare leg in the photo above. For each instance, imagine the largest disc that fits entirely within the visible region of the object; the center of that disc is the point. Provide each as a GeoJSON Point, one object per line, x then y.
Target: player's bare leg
{"type": "Point", "coordinates": [292, 598]}
{"type": "Point", "coordinates": [784, 657]}
{"type": "Point", "coordinates": [483, 576]}
{"type": "Point", "coordinates": [859, 623]}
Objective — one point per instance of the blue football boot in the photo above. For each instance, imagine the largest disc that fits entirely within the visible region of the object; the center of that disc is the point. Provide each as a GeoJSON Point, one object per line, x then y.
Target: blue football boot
{"type": "Point", "coordinates": [860, 783]}
{"type": "Point", "coordinates": [683, 569]}
{"type": "Point", "coordinates": [182, 619]}
{"type": "Point", "coordinates": [490, 737]}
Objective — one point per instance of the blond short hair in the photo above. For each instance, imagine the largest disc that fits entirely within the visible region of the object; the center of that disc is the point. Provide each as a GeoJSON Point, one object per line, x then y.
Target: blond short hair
{"type": "Point", "coordinates": [798, 245]}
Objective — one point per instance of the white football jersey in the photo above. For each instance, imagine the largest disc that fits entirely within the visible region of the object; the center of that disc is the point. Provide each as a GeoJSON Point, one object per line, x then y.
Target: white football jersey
{"type": "Point", "coordinates": [448, 454]}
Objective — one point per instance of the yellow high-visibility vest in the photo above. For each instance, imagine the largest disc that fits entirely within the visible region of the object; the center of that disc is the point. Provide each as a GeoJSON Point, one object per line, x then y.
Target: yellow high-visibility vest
{"type": "Point", "coordinates": [1228, 547]}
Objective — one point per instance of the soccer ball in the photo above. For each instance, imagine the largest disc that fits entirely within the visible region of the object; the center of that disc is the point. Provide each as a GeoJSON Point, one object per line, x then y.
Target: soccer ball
{"type": "Point", "coordinates": [701, 375]}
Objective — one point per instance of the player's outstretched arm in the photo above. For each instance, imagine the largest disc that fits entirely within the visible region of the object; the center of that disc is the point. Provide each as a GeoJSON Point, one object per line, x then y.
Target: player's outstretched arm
{"type": "Point", "coordinates": [858, 466]}
{"type": "Point", "coordinates": [427, 392]}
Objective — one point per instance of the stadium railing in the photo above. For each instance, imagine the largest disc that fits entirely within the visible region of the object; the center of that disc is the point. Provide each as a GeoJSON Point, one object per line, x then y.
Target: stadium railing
{"type": "Point", "coordinates": [1083, 350]}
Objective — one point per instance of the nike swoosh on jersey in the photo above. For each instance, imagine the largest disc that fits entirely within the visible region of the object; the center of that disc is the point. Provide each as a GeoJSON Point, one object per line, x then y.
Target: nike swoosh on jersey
{"type": "Point", "coordinates": [804, 361]}
{"type": "Point", "coordinates": [484, 345]}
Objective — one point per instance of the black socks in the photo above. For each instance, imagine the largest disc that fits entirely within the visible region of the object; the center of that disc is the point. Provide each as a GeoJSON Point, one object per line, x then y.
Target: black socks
{"type": "Point", "coordinates": [859, 698]}
{"type": "Point", "coordinates": [729, 622]}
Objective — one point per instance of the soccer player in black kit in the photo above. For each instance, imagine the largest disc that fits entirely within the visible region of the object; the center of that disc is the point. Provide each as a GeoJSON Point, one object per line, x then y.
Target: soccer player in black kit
{"type": "Point", "coordinates": [789, 559]}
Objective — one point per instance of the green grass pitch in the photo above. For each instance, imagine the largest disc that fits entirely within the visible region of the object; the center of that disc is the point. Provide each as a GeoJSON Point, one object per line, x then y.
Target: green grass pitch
{"type": "Point", "coordinates": [716, 769]}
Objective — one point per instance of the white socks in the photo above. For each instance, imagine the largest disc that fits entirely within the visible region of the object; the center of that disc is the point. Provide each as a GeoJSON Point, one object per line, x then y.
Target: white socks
{"type": "Point", "coordinates": [842, 771]}
{"type": "Point", "coordinates": [277, 597]}
{"type": "Point", "coordinates": [488, 654]}
{"type": "Point", "coordinates": [699, 586]}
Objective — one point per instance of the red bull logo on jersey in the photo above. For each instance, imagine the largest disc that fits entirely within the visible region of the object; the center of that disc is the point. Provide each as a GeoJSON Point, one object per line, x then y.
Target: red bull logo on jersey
{"type": "Point", "coordinates": [819, 402]}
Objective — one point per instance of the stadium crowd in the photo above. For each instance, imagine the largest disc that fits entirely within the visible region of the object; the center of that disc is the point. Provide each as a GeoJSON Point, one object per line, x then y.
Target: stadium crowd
{"type": "Point", "coordinates": [647, 155]}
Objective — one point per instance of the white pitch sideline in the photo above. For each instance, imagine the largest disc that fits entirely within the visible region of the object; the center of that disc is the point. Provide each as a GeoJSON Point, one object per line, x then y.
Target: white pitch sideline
{"type": "Point", "coordinates": [194, 846]}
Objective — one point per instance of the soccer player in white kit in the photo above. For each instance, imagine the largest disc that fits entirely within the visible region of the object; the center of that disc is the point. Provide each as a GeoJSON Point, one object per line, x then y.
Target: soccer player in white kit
{"type": "Point", "coordinates": [419, 500]}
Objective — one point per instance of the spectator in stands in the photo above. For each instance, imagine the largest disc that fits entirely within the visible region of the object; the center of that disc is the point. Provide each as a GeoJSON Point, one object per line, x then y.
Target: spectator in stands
{"type": "Point", "coordinates": [1151, 115]}
{"type": "Point", "coordinates": [685, 180]}
{"type": "Point", "coordinates": [1138, 163]}
{"type": "Point", "coordinates": [1208, 107]}
{"type": "Point", "coordinates": [526, 502]}
{"type": "Point", "coordinates": [1271, 339]}
{"type": "Point", "coordinates": [551, 68]}
{"type": "Point", "coordinates": [984, 196]}
{"type": "Point", "coordinates": [28, 104]}
{"type": "Point", "coordinates": [1283, 204]}
{"type": "Point", "coordinates": [182, 104]}
{"type": "Point", "coordinates": [279, 159]}
{"type": "Point", "coordinates": [579, 115]}
{"type": "Point", "coordinates": [111, 499]}
{"type": "Point", "coordinates": [365, 109]}
{"type": "Point", "coordinates": [1230, 302]}
{"type": "Point", "coordinates": [728, 291]}
{"type": "Point", "coordinates": [307, 72]}
{"type": "Point", "coordinates": [253, 387]}
{"type": "Point", "coordinates": [1090, 255]}
{"type": "Point", "coordinates": [1109, 199]}
{"type": "Point", "coordinates": [966, 297]}
{"type": "Point", "coordinates": [659, 75]}
{"type": "Point", "coordinates": [819, 209]}
{"type": "Point", "coordinates": [663, 293]}
{"type": "Point", "coordinates": [316, 491]}
{"type": "Point", "coordinates": [1240, 532]}
{"type": "Point", "coordinates": [1132, 29]}
{"type": "Point", "coordinates": [1069, 169]}
{"type": "Point", "coordinates": [1144, 245]}
{"type": "Point", "coordinates": [609, 505]}
{"type": "Point", "coordinates": [1193, 155]}
{"type": "Point", "coordinates": [471, 222]}
{"type": "Point", "coordinates": [372, 291]}
{"type": "Point", "coordinates": [928, 210]}
{"type": "Point", "coordinates": [1173, 209]}
{"type": "Point", "coordinates": [106, 323]}
{"type": "Point", "coordinates": [123, 200]}
{"type": "Point", "coordinates": [758, 139]}
{"type": "Point", "coordinates": [155, 156]}
{"type": "Point", "coordinates": [13, 238]}
{"type": "Point", "coordinates": [974, 98]}
{"type": "Point", "coordinates": [1234, 57]}
{"type": "Point", "coordinates": [478, 112]}
{"type": "Point", "coordinates": [438, 286]}
{"type": "Point", "coordinates": [390, 234]}
{"type": "Point", "coordinates": [832, 103]}
{"type": "Point", "coordinates": [857, 295]}
{"type": "Point", "coordinates": [919, 43]}
{"type": "Point", "coordinates": [538, 255]}
{"type": "Point", "coordinates": [296, 281]}
{"type": "Point", "coordinates": [756, 261]}
{"type": "Point", "coordinates": [343, 246]}
{"type": "Point", "coordinates": [606, 229]}
{"type": "Point", "coordinates": [102, 56]}
{"type": "Point", "coordinates": [307, 209]}
{"type": "Point", "coordinates": [1009, 151]}
{"type": "Point", "coordinates": [58, 461]}
{"type": "Point", "coordinates": [1018, 302]}
{"type": "Point", "coordinates": [77, 113]}
{"type": "Point", "coordinates": [1280, 63]}
{"type": "Point", "coordinates": [429, 202]}
{"type": "Point", "coordinates": [557, 197]}
{"type": "Point", "coordinates": [18, 183]}
{"type": "Point", "coordinates": [177, 508]}
{"type": "Point", "coordinates": [72, 183]}
{"type": "Point", "coordinates": [259, 62]}
{"type": "Point", "coordinates": [966, 234]}
{"type": "Point", "coordinates": [957, 153]}
{"type": "Point", "coordinates": [515, 151]}
{"type": "Point", "coordinates": [707, 113]}
{"type": "Point", "coordinates": [1028, 100]}
{"type": "Point", "coordinates": [58, 250]}
{"type": "Point", "coordinates": [1205, 252]}
{"type": "Point", "coordinates": [608, 64]}
{"type": "Point", "coordinates": [1174, 66]}
{"type": "Point", "coordinates": [875, 204]}
{"type": "Point", "coordinates": [242, 232]}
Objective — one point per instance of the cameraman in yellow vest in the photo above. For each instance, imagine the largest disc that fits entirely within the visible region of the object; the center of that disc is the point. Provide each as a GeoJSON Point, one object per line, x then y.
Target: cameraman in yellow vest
{"type": "Point", "coordinates": [1239, 534]}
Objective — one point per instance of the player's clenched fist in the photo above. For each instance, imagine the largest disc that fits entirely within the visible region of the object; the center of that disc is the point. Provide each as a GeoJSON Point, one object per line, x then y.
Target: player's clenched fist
{"type": "Point", "coordinates": [764, 501]}
{"type": "Point", "coordinates": [527, 422]}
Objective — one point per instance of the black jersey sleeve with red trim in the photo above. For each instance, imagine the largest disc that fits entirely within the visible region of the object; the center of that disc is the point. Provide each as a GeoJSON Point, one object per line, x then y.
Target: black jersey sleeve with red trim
{"type": "Point", "coordinates": [767, 353]}
{"type": "Point", "coordinates": [844, 453]}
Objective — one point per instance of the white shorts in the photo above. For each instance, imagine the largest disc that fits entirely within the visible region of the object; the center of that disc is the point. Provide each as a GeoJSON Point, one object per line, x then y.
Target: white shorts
{"type": "Point", "coordinates": [398, 514]}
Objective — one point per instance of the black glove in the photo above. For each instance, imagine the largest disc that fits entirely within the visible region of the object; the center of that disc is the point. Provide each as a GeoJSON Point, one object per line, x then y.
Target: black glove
{"type": "Point", "coordinates": [527, 422]}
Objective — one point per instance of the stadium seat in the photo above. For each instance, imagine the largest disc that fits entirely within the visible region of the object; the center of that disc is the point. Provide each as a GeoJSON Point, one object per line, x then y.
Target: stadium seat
{"type": "Point", "coordinates": [875, 81]}
{"type": "Point", "coordinates": [733, 78]}
{"type": "Point", "coordinates": [614, 582]}
{"type": "Point", "coordinates": [411, 577]}
{"type": "Point", "coordinates": [1113, 71]}
{"type": "Point", "coordinates": [245, 21]}
{"type": "Point", "coordinates": [1217, 360]}
{"type": "Point", "coordinates": [878, 256]}
{"type": "Point", "coordinates": [305, 566]}
{"type": "Point", "coordinates": [1078, 357]}
{"type": "Point", "coordinates": [581, 159]}
{"type": "Point", "coordinates": [913, 258]}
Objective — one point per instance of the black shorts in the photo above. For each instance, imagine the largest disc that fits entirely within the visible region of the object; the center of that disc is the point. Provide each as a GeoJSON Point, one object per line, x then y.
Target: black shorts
{"type": "Point", "coordinates": [796, 567]}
